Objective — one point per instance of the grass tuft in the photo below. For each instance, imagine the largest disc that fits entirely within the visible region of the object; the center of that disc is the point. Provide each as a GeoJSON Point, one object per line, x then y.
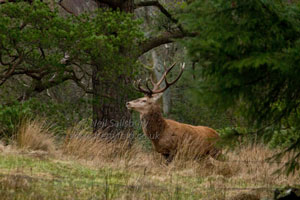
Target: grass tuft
{"type": "Point", "coordinates": [82, 144]}
{"type": "Point", "coordinates": [35, 135]}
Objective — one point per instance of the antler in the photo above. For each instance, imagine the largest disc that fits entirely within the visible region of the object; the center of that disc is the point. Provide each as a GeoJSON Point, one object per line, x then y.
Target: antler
{"type": "Point", "coordinates": [155, 90]}
{"type": "Point", "coordinates": [140, 89]}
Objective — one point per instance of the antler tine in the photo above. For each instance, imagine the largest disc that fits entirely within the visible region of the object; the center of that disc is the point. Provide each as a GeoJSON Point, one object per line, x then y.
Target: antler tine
{"type": "Point", "coordinates": [140, 89]}
{"type": "Point", "coordinates": [180, 73]}
{"type": "Point", "coordinates": [156, 85]}
{"type": "Point", "coordinates": [147, 85]}
{"type": "Point", "coordinates": [148, 91]}
{"type": "Point", "coordinates": [170, 68]}
{"type": "Point", "coordinates": [135, 83]}
{"type": "Point", "coordinates": [152, 81]}
{"type": "Point", "coordinates": [166, 81]}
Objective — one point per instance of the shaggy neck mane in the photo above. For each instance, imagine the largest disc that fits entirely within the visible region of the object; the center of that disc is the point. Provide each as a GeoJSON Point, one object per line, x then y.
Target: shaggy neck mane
{"type": "Point", "coordinates": [153, 123]}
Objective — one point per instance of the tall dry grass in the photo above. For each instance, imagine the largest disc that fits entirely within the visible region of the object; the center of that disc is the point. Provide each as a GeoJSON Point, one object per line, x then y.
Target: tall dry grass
{"type": "Point", "coordinates": [191, 150]}
{"type": "Point", "coordinates": [80, 143]}
{"type": "Point", "coordinates": [247, 162]}
{"type": "Point", "coordinates": [244, 167]}
{"type": "Point", "coordinates": [250, 162]}
{"type": "Point", "coordinates": [35, 135]}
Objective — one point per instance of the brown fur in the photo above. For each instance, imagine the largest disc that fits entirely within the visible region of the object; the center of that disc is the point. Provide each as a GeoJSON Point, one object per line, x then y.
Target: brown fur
{"type": "Point", "coordinates": [167, 136]}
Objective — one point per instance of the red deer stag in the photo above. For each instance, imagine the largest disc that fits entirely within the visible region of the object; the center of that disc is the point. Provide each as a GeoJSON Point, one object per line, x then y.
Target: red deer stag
{"type": "Point", "coordinates": [168, 136]}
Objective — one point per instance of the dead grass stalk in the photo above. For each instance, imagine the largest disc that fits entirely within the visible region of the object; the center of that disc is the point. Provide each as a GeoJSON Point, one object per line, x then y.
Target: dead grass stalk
{"type": "Point", "coordinates": [35, 135]}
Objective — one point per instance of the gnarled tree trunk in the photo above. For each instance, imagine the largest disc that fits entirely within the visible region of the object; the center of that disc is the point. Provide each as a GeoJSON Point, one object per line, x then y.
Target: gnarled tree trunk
{"type": "Point", "coordinates": [109, 111]}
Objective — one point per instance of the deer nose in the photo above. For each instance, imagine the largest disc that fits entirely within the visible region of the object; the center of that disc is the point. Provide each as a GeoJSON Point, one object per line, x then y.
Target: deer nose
{"type": "Point", "coordinates": [127, 104]}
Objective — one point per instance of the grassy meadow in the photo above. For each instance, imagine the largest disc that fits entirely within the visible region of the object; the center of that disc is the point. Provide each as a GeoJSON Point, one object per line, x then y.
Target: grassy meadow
{"type": "Point", "coordinates": [36, 166]}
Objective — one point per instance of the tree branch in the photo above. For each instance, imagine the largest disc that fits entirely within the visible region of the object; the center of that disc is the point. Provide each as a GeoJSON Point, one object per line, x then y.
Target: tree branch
{"type": "Point", "coordinates": [6, 1]}
{"type": "Point", "coordinates": [10, 71]}
{"type": "Point", "coordinates": [110, 3]}
{"type": "Point", "coordinates": [61, 4]}
{"type": "Point", "coordinates": [83, 87]}
{"type": "Point", "coordinates": [159, 6]}
{"type": "Point", "coordinates": [164, 38]}
{"type": "Point", "coordinates": [162, 9]}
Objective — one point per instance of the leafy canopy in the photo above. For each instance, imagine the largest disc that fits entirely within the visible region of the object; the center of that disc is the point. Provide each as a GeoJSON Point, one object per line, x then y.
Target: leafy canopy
{"type": "Point", "coordinates": [249, 53]}
{"type": "Point", "coordinates": [40, 49]}
{"type": "Point", "coordinates": [34, 39]}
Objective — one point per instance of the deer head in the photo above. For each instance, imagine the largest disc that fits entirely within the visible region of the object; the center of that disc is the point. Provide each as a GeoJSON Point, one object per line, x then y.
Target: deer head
{"type": "Point", "coordinates": [144, 104]}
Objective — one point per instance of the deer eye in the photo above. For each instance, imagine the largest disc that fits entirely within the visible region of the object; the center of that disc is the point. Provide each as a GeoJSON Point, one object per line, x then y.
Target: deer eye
{"type": "Point", "coordinates": [144, 101]}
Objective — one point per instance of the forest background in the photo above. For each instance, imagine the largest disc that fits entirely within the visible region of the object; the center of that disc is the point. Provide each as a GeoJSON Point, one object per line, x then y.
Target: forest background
{"type": "Point", "coordinates": [73, 62]}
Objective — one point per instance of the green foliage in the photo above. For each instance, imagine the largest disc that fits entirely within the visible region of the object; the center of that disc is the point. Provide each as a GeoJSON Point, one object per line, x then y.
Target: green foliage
{"type": "Point", "coordinates": [241, 136]}
{"type": "Point", "coordinates": [26, 29]}
{"type": "Point", "coordinates": [248, 52]}
{"type": "Point", "coordinates": [34, 34]}
{"type": "Point", "coordinates": [60, 115]}
{"type": "Point", "coordinates": [11, 117]}
{"type": "Point", "coordinates": [284, 138]}
{"type": "Point", "coordinates": [43, 49]}
{"type": "Point", "coordinates": [187, 107]}
{"type": "Point", "coordinates": [34, 40]}
{"type": "Point", "coordinates": [100, 36]}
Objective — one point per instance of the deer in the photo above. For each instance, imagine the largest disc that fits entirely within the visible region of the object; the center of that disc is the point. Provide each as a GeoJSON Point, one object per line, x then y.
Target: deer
{"type": "Point", "coordinates": [168, 136]}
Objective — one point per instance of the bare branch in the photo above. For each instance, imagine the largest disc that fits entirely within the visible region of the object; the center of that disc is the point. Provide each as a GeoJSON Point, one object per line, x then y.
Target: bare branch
{"type": "Point", "coordinates": [81, 68]}
{"type": "Point", "coordinates": [110, 3]}
{"type": "Point", "coordinates": [10, 71]}
{"type": "Point", "coordinates": [78, 81]}
{"type": "Point", "coordinates": [8, 63]}
{"type": "Point", "coordinates": [62, 5]}
{"type": "Point", "coordinates": [164, 38]}
{"type": "Point", "coordinates": [6, 1]}
{"type": "Point", "coordinates": [159, 6]}
{"type": "Point", "coordinates": [42, 52]}
{"type": "Point", "coordinates": [83, 87]}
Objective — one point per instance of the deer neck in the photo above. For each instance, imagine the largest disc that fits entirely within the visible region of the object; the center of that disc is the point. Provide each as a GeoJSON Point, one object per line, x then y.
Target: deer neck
{"type": "Point", "coordinates": [153, 123]}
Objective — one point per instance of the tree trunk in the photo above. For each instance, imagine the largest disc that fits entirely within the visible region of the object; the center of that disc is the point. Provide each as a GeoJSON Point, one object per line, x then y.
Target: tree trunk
{"type": "Point", "coordinates": [159, 71]}
{"type": "Point", "coordinates": [109, 111]}
{"type": "Point", "coordinates": [110, 114]}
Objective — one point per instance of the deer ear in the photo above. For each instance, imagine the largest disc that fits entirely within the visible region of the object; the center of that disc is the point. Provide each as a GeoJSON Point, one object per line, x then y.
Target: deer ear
{"type": "Point", "coordinates": [157, 96]}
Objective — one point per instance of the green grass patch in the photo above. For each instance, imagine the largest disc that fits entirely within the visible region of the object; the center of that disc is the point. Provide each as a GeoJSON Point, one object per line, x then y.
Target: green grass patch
{"type": "Point", "coordinates": [24, 177]}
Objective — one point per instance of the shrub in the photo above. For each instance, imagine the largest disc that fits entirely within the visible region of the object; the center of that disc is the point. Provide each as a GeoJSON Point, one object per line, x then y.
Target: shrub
{"type": "Point", "coordinates": [284, 138]}
{"type": "Point", "coordinates": [11, 116]}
